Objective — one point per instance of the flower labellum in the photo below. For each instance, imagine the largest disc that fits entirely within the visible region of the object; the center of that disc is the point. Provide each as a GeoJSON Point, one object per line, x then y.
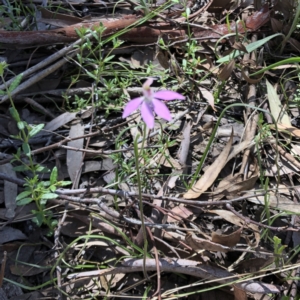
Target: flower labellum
{"type": "Point", "coordinates": [150, 103]}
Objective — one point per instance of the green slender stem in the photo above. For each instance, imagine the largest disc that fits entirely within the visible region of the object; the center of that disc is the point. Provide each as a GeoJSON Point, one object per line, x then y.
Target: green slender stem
{"type": "Point", "coordinates": [136, 155]}
{"type": "Point", "coordinates": [277, 64]}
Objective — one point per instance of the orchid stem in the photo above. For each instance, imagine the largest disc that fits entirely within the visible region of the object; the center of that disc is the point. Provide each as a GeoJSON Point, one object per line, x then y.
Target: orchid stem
{"type": "Point", "coordinates": [136, 155]}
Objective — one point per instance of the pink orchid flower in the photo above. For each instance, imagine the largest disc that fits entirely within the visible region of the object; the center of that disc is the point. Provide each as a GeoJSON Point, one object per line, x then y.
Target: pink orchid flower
{"type": "Point", "coordinates": [150, 103]}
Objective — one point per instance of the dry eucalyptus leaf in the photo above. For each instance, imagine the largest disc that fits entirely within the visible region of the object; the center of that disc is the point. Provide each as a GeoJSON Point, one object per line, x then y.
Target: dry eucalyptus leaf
{"type": "Point", "coordinates": [254, 264]}
{"type": "Point", "coordinates": [225, 73]}
{"type": "Point", "coordinates": [236, 149]}
{"type": "Point", "coordinates": [294, 43]}
{"type": "Point", "coordinates": [185, 144]}
{"type": "Point", "coordinates": [240, 46]}
{"type": "Point", "coordinates": [98, 165]}
{"type": "Point", "coordinates": [58, 19]}
{"type": "Point", "coordinates": [163, 58]}
{"type": "Point", "coordinates": [279, 112]}
{"type": "Point", "coordinates": [233, 219]}
{"type": "Point", "coordinates": [276, 25]}
{"type": "Point", "coordinates": [110, 281]}
{"type": "Point", "coordinates": [210, 174]}
{"type": "Point", "coordinates": [180, 212]}
{"type": "Point", "coordinates": [232, 185]}
{"type": "Point", "coordinates": [239, 294]}
{"type": "Point", "coordinates": [202, 244]}
{"type": "Point", "coordinates": [277, 202]}
{"type": "Point", "coordinates": [289, 129]}
{"type": "Point", "coordinates": [60, 121]}
{"type": "Point", "coordinates": [209, 97]}
{"type": "Point", "coordinates": [167, 160]}
{"type": "Point", "coordinates": [10, 191]}
{"type": "Point", "coordinates": [9, 234]}
{"type": "Point", "coordinates": [229, 240]}
{"type": "Point", "coordinates": [251, 80]}
{"type": "Point", "coordinates": [74, 158]}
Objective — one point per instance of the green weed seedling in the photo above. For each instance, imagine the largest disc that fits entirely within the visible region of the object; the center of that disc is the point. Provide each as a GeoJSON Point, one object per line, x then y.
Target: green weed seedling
{"type": "Point", "coordinates": [35, 189]}
{"type": "Point", "coordinates": [278, 251]}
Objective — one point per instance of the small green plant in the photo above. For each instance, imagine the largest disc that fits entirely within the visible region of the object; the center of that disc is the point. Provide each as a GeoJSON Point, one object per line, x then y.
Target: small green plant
{"type": "Point", "coordinates": [35, 189]}
{"type": "Point", "coordinates": [278, 251]}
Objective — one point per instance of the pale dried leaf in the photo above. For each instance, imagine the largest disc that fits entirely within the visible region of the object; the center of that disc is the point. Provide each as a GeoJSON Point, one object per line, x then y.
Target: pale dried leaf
{"type": "Point", "coordinates": [211, 173]}
{"type": "Point", "coordinates": [166, 160]}
{"type": "Point", "coordinates": [60, 121]}
{"type": "Point", "coordinates": [185, 144]}
{"type": "Point", "coordinates": [236, 149]}
{"type": "Point", "coordinates": [277, 109]}
{"type": "Point", "coordinates": [98, 165]}
{"type": "Point", "coordinates": [199, 244]}
{"type": "Point", "coordinates": [58, 19]}
{"type": "Point", "coordinates": [277, 202]}
{"type": "Point", "coordinates": [172, 180]}
{"type": "Point", "coordinates": [74, 158]}
{"type": "Point", "coordinates": [289, 129]}
{"type": "Point", "coordinates": [72, 227]}
{"type": "Point", "coordinates": [110, 281]}
{"type": "Point", "coordinates": [209, 97]}
{"type": "Point", "coordinates": [180, 212]}
{"type": "Point", "coordinates": [10, 191]}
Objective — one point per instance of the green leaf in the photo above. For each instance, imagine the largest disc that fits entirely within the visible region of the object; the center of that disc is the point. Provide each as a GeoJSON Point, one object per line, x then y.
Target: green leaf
{"type": "Point", "coordinates": [3, 65]}
{"type": "Point", "coordinates": [14, 113]}
{"type": "Point", "coordinates": [63, 183]}
{"type": "Point", "coordinates": [36, 129]}
{"type": "Point", "coordinates": [42, 169]}
{"type": "Point", "coordinates": [2, 93]}
{"type": "Point", "coordinates": [107, 59]}
{"type": "Point", "coordinates": [53, 176]}
{"type": "Point", "coordinates": [26, 149]}
{"type": "Point", "coordinates": [53, 223]}
{"type": "Point", "coordinates": [24, 201]}
{"type": "Point", "coordinates": [251, 47]}
{"type": "Point", "coordinates": [15, 83]}
{"type": "Point", "coordinates": [21, 125]}
{"type": "Point", "coordinates": [91, 75]}
{"type": "Point", "coordinates": [52, 188]}
{"type": "Point", "coordinates": [43, 202]}
{"type": "Point", "coordinates": [49, 196]}
{"type": "Point", "coordinates": [38, 219]}
{"type": "Point", "coordinates": [23, 195]}
{"type": "Point", "coordinates": [46, 183]}
{"type": "Point", "coordinates": [21, 168]}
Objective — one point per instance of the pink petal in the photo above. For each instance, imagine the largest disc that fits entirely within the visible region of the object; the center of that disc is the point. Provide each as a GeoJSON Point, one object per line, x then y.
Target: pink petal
{"type": "Point", "coordinates": [131, 106]}
{"type": "Point", "coordinates": [147, 83]}
{"type": "Point", "coordinates": [161, 109]}
{"type": "Point", "coordinates": [168, 95]}
{"type": "Point", "coordinates": [147, 115]}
